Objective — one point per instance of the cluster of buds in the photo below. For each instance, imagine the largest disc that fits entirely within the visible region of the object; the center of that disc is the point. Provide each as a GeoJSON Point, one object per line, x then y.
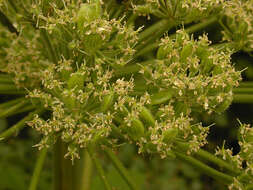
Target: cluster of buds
{"type": "Point", "coordinates": [238, 22]}
{"type": "Point", "coordinates": [91, 102]}
{"type": "Point", "coordinates": [243, 160]}
{"type": "Point", "coordinates": [179, 11]}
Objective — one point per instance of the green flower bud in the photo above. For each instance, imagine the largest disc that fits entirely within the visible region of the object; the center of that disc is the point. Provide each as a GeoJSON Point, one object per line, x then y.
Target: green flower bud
{"type": "Point", "coordinates": [69, 101]}
{"type": "Point", "coordinates": [76, 80]}
{"type": "Point", "coordinates": [186, 52]}
{"type": "Point", "coordinates": [147, 116]}
{"type": "Point", "coordinates": [136, 130]}
{"type": "Point", "coordinates": [180, 107]}
{"type": "Point", "coordinates": [163, 52]}
{"type": "Point", "coordinates": [224, 105]}
{"type": "Point", "coordinates": [169, 135]}
{"type": "Point", "coordinates": [161, 97]}
{"type": "Point", "coordinates": [107, 102]}
{"type": "Point", "coordinates": [249, 136]}
{"type": "Point", "coordinates": [88, 13]}
{"type": "Point", "coordinates": [217, 70]}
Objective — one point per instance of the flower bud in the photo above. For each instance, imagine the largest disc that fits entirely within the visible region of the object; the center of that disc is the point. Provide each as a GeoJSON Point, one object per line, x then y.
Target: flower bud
{"type": "Point", "coordinates": [161, 97]}
{"type": "Point", "coordinates": [107, 102]}
{"type": "Point", "coordinates": [147, 116]}
{"type": "Point", "coordinates": [68, 100]}
{"type": "Point", "coordinates": [88, 13]}
{"type": "Point", "coordinates": [136, 130]}
{"type": "Point", "coordinates": [169, 135]}
{"type": "Point", "coordinates": [163, 52]}
{"type": "Point", "coordinates": [224, 105]}
{"type": "Point", "coordinates": [180, 108]}
{"type": "Point", "coordinates": [186, 52]}
{"type": "Point", "coordinates": [76, 80]}
{"type": "Point", "coordinates": [249, 136]}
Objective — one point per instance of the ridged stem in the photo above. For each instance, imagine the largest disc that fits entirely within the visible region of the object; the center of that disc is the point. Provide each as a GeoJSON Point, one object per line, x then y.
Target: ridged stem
{"type": "Point", "coordinates": [210, 158]}
{"type": "Point", "coordinates": [18, 126]}
{"type": "Point", "coordinates": [99, 169]}
{"type": "Point", "coordinates": [224, 178]}
{"type": "Point", "coordinates": [121, 169]}
{"type": "Point", "coordinates": [12, 109]}
{"type": "Point", "coordinates": [243, 98]}
{"type": "Point", "coordinates": [63, 168]}
{"type": "Point", "coordinates": [37, 170]}
{"type": "Point", "coordinates": [87, 172]}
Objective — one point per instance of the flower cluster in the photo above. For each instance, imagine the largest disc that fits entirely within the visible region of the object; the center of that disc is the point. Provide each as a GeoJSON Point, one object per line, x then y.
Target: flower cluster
{"type": "Point", "coordinates": [244, 180]}
{"type": "Point", "coordinates": [238, 22]}
{"type": "Point", "coordinates": [22, 58]}
{"type": "Point", "coordinates": [196, 73]}
{"type": "Point", "coordinates": [71, 62]}
{"type": "Point", "coordinates": [179, 11]}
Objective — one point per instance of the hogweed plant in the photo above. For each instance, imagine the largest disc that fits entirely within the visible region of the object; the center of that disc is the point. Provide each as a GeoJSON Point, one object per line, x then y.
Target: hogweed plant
{"type": "Point", "coordinates": [91, 78]}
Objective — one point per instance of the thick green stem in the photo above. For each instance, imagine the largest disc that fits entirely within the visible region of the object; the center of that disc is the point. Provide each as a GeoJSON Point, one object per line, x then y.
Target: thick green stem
{"type": "Point", "coordinates": [6, 79]}
{"type": "Point", "coordinates": [162, 24]}
{"type": "Point", "coordinates": [25, 109]}
{"type": "Point", "coordinates": [243, 91]}
{"type": "Point", "coordinates": [99, 169]}
{"type": "Point", "coordinates": [9, 103]}
{"type": "Point", "coordinates": [213, 159]}
{"type": "Point", "coordinates": [18, 126]}
{"type": "Point", "coordinates": [206, 156]}
{"type": "Point", "coordinates": [155, 33]}
{"type": "Point", "coordinates": [63, 168]}
{"type": "Point", "coordinates": [131, 69]}
{"type": "Point", "coordinates": [13, 109]}
{"type": "Point", "coordinates": [48, 46]}
{"type": "Point", "coordinates": [6, 22]}
{"type": "Point", "coordinates": [87, 172]}
{"type": "Point", "coordinates": [38, 169]}
{"type": "Point", "coordinates": [247, 84]}
{"type": "Point", "coordinates": [189, 30]}
{"type": "Point", "coordinates": [121, 169]}
{"type": "Point", "coordinates": [243, 98]}
{"type": "Point", "coordinates": [10, 89]}
{"type": "Point", "coordinates": [226, 179]}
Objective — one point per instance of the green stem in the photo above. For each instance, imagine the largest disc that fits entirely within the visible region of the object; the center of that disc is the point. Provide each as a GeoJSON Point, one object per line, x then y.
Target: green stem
{"type": "Point", "coordinates": [25, 109]}
{"type": "Point", "coordinates": [7, 87]}
{"type": "Point", "coordinates": [211, 158]}
{"type": "Point", "coordinates": [189, 30]}
{"type": "Point", "coordinates": [224, 178]}
{"type": "Point", "coordinates": [18, 126]}
{"type": "Point", "coordinates": [13, 109]}
{"type": "Point", "coordinates": [243, 98]}
{"type": "Point", "coordinates": [11, 102]}
{"type": "Point", "coordinates": [49, 47]}
{"type": "Point", "coordinates": [131, 69]}
{"type": "Point", "coordinates": [38, 169]}
{"type": "Point", "coordinates": [243, 90]}
{"type": "Point", "coordinates": [99, 169]}
{"type": "Point", "coordinates": [10, 89]}
{"type": "Point", "coordinates": [222, 164]}
{"type": "Point", "coordinates": [5, 79]}
{"type": "Point", "coordinates": [247, 84]}
{"type": "Point", "coordinates": [121, 169]}
{"type": "Point", "coordinates": [7, 23]}
{"type": "Point", "coordinates": [154, 28]}
{"type": "Point", "coordinates": [87, 172]}
{"type": "Point", "coordinates": [63, 168]}
{"type": "Point", "coordinates": [153, 37]}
